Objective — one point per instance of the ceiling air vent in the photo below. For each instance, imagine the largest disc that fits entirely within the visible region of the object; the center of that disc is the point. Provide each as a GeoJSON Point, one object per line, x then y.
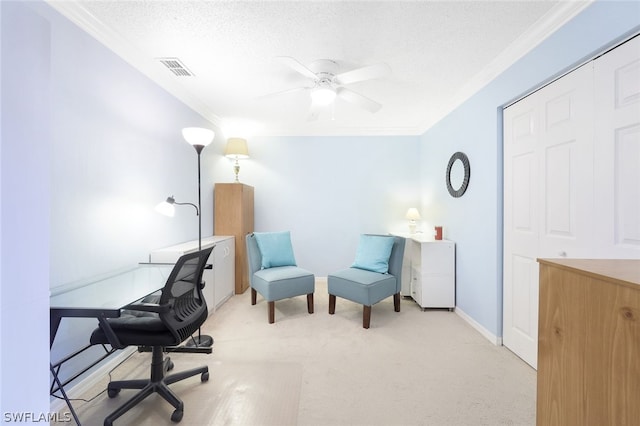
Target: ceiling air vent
{"type": "Point", "coordinates": [176, 67]}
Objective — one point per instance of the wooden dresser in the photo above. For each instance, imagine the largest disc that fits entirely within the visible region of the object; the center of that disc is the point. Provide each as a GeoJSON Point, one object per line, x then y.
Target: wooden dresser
{"type": "Point", "coordinates": [589, 342]}
{"type": "Point", "coordinates": [233, 215]}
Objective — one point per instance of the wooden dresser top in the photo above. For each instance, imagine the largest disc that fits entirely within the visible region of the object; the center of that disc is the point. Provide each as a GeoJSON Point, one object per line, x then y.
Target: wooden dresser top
{"type": "Point", "coordinates": [622, 271]}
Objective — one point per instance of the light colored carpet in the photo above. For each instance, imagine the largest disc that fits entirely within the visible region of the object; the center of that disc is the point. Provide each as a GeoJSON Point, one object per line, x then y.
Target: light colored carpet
{"type": "Point", "coordinates": [410, 368]}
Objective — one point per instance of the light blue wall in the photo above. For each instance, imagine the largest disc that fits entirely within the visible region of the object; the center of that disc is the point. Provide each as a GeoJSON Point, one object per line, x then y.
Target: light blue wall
{"type": "Point", "coordinates": [474, 221]}
{"type": "Point", "coordinates": [327, 191]}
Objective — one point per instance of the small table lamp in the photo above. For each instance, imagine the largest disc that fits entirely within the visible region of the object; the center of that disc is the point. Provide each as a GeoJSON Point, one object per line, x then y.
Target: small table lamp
{"type": "Point", "coordinates": [412, 215]}
{"type": "Point", "coordinates": [236, 149]}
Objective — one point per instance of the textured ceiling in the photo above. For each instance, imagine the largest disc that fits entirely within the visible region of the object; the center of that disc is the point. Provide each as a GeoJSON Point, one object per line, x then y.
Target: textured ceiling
{"type": "Point", "coordinates": [439, 53]}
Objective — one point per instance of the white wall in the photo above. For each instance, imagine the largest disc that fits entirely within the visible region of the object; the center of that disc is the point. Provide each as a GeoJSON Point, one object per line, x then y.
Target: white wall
{"type": "Point", "coordinates": [24, 215]}
{"type": "Point", "coordinates": [474, 221]}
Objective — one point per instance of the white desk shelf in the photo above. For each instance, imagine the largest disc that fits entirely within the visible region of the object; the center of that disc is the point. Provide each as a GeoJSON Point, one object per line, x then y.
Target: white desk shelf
{"type": "Point", "coordinates": [219, 281]}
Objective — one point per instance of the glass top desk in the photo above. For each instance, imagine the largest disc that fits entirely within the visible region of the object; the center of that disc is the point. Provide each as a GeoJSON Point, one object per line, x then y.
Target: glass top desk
{"type": "Point", "coordinates": [106, 296]}
{"type": "Point", "coordinates": [100, 298]}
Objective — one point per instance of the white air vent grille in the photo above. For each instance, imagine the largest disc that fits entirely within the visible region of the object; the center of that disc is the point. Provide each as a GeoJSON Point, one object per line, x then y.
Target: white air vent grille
{"type": "Point", "coordinates": [176, 67]}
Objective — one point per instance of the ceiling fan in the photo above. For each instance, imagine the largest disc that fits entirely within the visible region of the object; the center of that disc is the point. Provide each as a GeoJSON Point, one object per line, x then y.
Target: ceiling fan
{"type": "Point", "coordinates": [329, 84]}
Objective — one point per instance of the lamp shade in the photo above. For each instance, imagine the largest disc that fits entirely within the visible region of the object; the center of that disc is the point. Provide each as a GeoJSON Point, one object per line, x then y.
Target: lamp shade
{"type": "Point", "coordinates": [323, 95]}
{"type": "Point", "coordinates": [236, 148]}
{"type": "Point", "coordinates": [413, 214]}
{"type": "Point", "coordinates": [166, 208]}
{"type": "Point", "coordinates": [198, 136]}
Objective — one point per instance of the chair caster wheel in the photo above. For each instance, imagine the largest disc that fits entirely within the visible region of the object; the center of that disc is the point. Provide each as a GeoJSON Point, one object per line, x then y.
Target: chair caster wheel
{"type": "Point", "coordinates": [205, 376]}
{"type": "Point", "coordinates": [177, 416]}
{"type": "Point", "coordinates": [112, 393]}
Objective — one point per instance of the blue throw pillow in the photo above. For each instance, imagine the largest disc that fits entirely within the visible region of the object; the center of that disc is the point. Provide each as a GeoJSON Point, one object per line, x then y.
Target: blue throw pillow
{"type": "Point", "coordinates": [275, 248]}
{"type": "Point", "coordinates": [373, 253]}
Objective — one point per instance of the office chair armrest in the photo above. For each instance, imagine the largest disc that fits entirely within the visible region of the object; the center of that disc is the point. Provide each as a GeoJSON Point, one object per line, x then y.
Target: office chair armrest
{"type": "Point", "coordinates": [149, 307]}
{"type": "Point", "coordinates": [203, 283]}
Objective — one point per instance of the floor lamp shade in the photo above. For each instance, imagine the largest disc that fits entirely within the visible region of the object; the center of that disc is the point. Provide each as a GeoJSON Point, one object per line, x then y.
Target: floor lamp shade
{"type": "Point", "coordinates": [198, 136]}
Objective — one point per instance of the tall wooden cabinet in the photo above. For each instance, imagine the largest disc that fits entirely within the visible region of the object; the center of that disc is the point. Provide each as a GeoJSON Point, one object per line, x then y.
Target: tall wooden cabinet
{"type": "Point", "coordinates": [233, 215]}
{"type": "Point", "coordinates": [589, 342]}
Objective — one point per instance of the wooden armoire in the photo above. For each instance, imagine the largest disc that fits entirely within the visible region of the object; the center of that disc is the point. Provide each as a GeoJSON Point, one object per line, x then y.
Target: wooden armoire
{"type": "Point", "coordinates": [233, 215]}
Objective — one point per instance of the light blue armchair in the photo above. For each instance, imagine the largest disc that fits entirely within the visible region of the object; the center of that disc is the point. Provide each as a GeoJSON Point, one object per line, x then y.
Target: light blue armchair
{"type": "Point", "coordinates": [375, 275]}
{"type": "Point", "coordinates": [273, 271]}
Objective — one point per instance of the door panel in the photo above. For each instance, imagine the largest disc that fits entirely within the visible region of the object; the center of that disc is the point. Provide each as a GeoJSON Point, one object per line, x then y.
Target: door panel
{"type": "Point", "coordinates": [617, 171]}
{"type": "Point", "coordinates": [566, 165]}
{"type": "Point", "coordinates": [521, 127]}
{"type": "Point", "coordinates": [545, 168]}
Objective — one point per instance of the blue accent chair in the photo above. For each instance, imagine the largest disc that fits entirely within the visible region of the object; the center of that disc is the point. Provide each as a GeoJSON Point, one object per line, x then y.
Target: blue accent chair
{"type": "Point", "coordinates": [276, 283]}
{"type": "Point", "coordinates": [366, 287]}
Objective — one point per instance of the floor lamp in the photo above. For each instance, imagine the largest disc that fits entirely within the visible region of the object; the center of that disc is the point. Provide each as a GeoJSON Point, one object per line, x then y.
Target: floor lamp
{"type": "Point", "coordinates": [199, 138]}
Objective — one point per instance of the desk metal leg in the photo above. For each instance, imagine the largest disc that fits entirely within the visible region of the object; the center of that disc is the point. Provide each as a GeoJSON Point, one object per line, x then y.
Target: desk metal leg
{"type": "Point", "coordinates": [64, 394]}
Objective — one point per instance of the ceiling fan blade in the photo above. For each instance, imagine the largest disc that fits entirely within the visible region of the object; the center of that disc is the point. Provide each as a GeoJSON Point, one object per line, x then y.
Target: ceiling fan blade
{"type": "Point", "coordinates": [297, 66]}
{"type": "Point", "coordinates": [282, 92]}
{"type": "Point", "coordinates": [365, 73]}
{"type": "Point", "coordinates": [358, 99]}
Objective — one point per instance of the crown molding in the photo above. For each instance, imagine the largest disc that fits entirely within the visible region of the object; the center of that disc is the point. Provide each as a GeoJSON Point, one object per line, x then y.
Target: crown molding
{"type": "Point", "coordinates": [76, 13]}
{"type": "Point", "coordinates": [540, 31]}
{"type": "Point", "coordinates": [547, 25]}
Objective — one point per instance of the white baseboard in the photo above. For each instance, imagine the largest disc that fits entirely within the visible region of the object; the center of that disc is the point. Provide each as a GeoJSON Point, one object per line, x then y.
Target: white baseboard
{"type": "Point", "coordinates": [92, 379]}
{"type": "Point", "coordinates": [486, 333]}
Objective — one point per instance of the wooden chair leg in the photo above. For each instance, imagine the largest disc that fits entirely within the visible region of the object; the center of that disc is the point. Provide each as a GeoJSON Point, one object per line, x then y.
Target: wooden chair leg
{"type": "Point", "coordinates": [272, 312]}
{"type": "Point", "coordinates": [254, 295]}
{"type": "Point", "coordinates": [310, 303]}
{"type": "Point", "coordinates": [332, 304]}
{"type": "Point", "coordinates": [366, 316]}
{"type": "Point", "coordinates": [396, 302]}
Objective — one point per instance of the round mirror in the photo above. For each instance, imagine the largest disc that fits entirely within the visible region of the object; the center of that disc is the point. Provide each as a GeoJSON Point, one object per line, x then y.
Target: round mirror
{"type": "Point", "coordinates": [458, 173]}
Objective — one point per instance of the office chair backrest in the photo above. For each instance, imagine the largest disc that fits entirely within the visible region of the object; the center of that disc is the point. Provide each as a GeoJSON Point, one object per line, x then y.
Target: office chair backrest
{"type": "Point", "coordinates": [183, 293]}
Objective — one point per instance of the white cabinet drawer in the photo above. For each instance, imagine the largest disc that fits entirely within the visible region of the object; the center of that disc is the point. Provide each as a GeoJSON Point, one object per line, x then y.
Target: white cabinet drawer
{"type": "Point", "coordinates": [433, 273]}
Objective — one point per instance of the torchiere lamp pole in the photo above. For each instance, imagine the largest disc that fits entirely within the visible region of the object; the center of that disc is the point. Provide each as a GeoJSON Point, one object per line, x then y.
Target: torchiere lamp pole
{"type": "Point", "coordinates": [199, 138]}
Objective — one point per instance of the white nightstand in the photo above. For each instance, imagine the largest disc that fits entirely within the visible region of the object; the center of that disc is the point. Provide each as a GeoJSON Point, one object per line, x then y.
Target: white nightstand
{"type": "Point", "coordinates": [433, 273]}
{"type": "Point", "coordinates": [429, 271]}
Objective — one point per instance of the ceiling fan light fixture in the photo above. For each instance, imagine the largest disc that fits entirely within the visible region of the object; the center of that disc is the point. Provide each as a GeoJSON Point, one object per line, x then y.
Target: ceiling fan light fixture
{"type": "Point", "coordinates": [323, 95]}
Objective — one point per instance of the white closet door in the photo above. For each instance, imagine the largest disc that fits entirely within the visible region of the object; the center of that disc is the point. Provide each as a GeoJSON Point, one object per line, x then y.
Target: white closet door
{"type": "Point", "coordinates": [617, 171]}
{"type": "Point", "coordinates": [520, 289]}
{"type": "Point", "coordinates": [571, 181]}
{"type": "Point", "coordinates": [548, 195]}
{"type": "Point", "coordinates": [566, 166]}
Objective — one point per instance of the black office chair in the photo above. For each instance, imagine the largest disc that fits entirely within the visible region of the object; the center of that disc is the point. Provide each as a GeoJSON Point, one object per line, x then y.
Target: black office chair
{"type": "Point", "coordinates": [179, 313]}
